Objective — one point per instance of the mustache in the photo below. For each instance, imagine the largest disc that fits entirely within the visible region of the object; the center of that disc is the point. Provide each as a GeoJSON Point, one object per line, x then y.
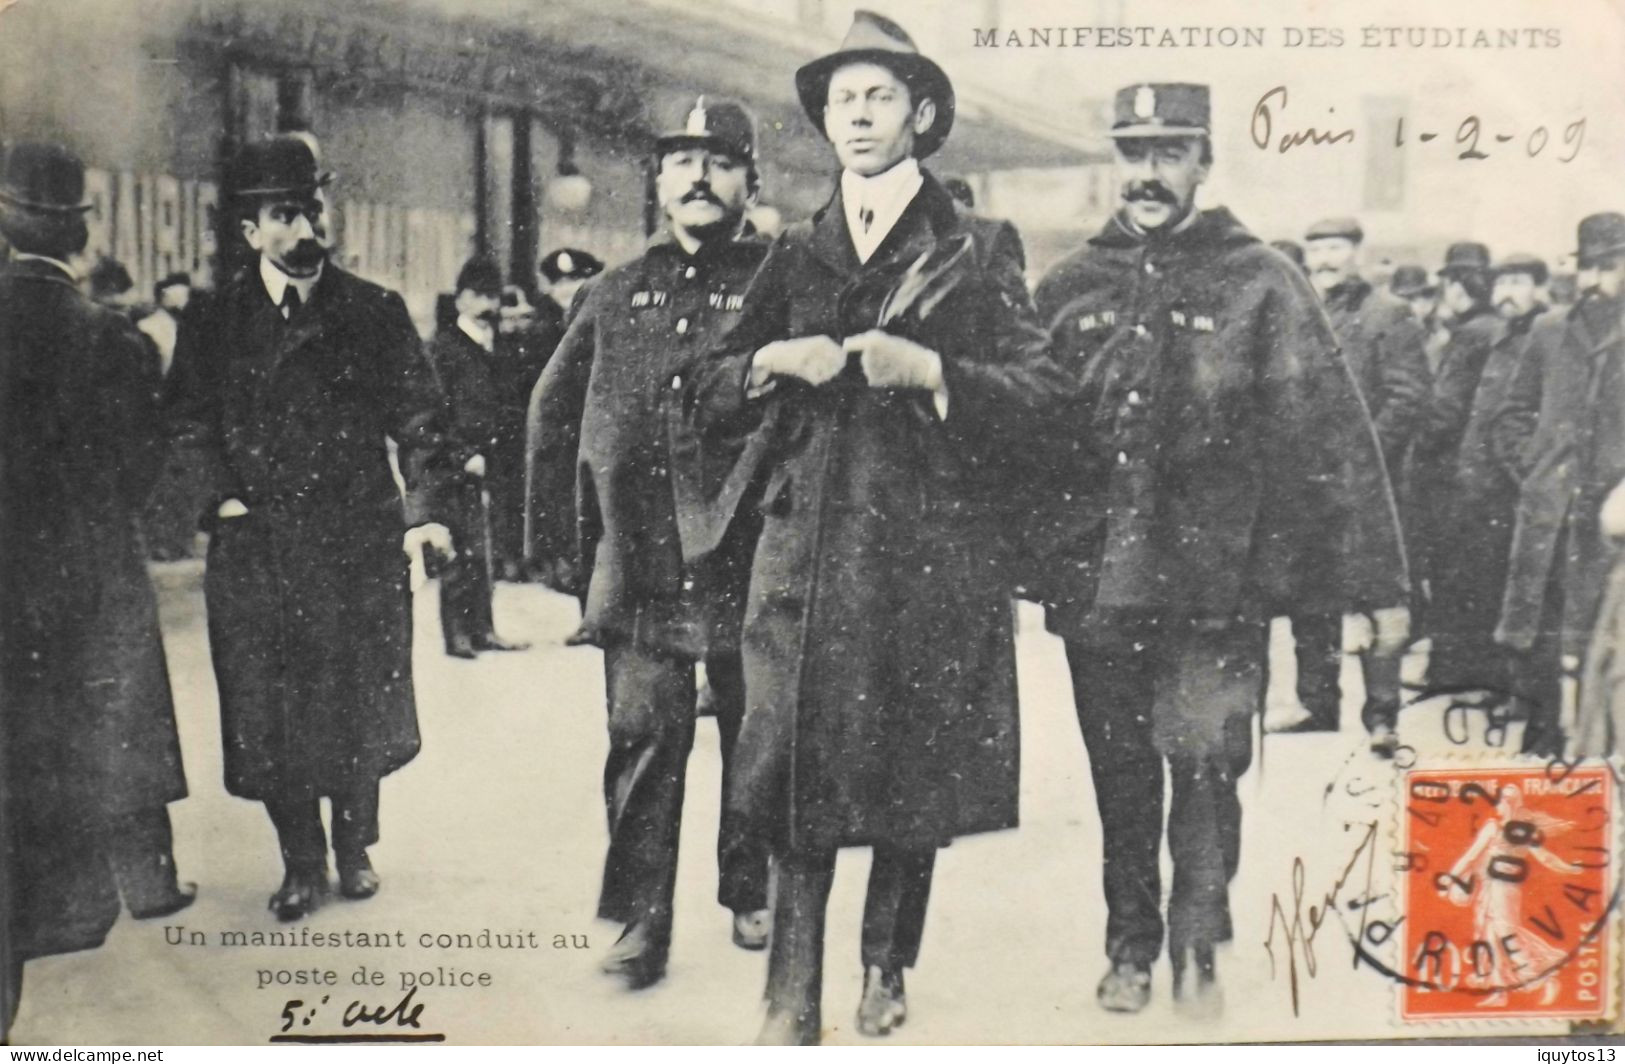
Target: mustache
{"type": "Point", "coordinates": [307, 252]}
{"type": "Point", "coordinates": [701, 194]}
{"type": "Point", "coordinates": [1150, 190]}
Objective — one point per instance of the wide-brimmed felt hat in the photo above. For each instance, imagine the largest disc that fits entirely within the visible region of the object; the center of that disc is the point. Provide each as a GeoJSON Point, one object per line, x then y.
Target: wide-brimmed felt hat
{"type": "Point", "coordinates": [47, 178]}
{"type": "Point", "coordinates": [877, 39]}
{"type": "Point", "coordinates": [1601, 234]}
{"type": "Point", "coordinates": [1411, 280]}
{"type": "Point", "coordinates": [715, 124]}
{"type": "Point", "coordinates": [282, 165]}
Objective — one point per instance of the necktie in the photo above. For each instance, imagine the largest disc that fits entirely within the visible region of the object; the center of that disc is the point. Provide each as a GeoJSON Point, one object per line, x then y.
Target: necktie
{"type": "Point", "coordinates": [867, 217]}
{"type": "Point", "coordinates": [291, 302]}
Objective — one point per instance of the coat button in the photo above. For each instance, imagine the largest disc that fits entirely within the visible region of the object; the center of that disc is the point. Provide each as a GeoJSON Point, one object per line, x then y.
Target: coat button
{"type": "Point", "coordinates": [1133, 398]}
{"type": "Point", "coordinates": [1150, 268]}
{"type": "Point", "coordinates": [1122, 458]}
{"type": "Point", "coordinates": [677, 383]}
{"type": "Point", "coordinates": [689, 273]}
{"type": "Point", "coordinates": [682, 326]}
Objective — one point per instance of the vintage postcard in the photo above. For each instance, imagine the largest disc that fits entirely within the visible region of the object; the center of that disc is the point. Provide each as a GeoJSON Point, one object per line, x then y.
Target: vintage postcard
{"type": "Point", "coordinates": [811, 521]}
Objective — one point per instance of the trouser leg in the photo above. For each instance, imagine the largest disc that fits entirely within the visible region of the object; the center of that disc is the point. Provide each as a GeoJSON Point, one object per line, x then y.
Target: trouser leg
{"type": "Point", "coordinates": [465, 599]}
{"type": "Point", "coordinates": [1537, 674]}
{"type": "Point", "coordinates": [141, 848]}
{"type": "Point", "coordinates": [355, 820]}
{"type": "Point", "coordinates": [1319, 640]}
{"type": "Point", "coordinates": [741, 858]}
{"type": "Point", "coordinates": [1382, 689]}
{"type": "Point", "coordinates": [651, 730]}
{"type": "Point", "coordinates": [1112, 687]}
{"type": "Point", "coordinates": [299, 832]}
{"type": "Point", "coordinates": [894, 908]}
{"type": "Point", "coordinates": [1204, 839]}
{"type": "Point", "coordinates": [795, 961]}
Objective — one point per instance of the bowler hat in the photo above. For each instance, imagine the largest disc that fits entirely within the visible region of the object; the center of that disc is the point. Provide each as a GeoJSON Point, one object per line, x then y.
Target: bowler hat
{"type": "Point", "coordinates": [1465, 257]}
{"type": "Point", "coordinates": [480, 274]}
{"type": "Point", "coordinates": [1336, 228]}
{"type": "Point", "coordinates": [1601, 234]}
{"type": "Point", "coordinates": [570, 264]}
{"type": "Point", "coordinates": [1522, 262]}
{"type": "Point", "coordinates": [720, 125]}
{"type": "Point", "coordinates": [1161, 109]}
{"type": "Point", "coordinates": [1411, 280]}
{"type": "Point", "coordinates": [43, 177]}
{"type": "Point", "coordinates": [282, 165]}
{"type": "Point", "coordinates": [877, 39]}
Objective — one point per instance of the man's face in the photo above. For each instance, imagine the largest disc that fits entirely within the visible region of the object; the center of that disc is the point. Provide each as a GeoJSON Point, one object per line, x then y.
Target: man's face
{"type": "Point", "coordinates": [291, 232]}
{"type": "Point", "coordinates": [1158, 177]}
{"type": "Point", "coordinates": [702, 191]}
{"type": "Point", "coordinates": [174, 298]}
{"type": "Point", "coordinates": [871, 118]}
{"type": "Point", "coordinates": [1457, 299]}
{"type": "Point", "coordinates": [1423, 304]}
{"type": "Point", "coordinates": [117, 299]}
{"type": "Point", "coordinates": [516, 314]}
{"type": "Point", "coordinates": [1514, 294]}
{"type": "Point", "coordinates": [1601, 278]}
{"type": "Point", "coordinates": [481, 306]}
{"type": "Point", "coordinates": [1330, 261]}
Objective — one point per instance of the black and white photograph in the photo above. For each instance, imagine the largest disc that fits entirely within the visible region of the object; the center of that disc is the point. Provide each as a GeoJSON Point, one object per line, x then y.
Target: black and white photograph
{"type": "Point", "coordinates": [797, 522]}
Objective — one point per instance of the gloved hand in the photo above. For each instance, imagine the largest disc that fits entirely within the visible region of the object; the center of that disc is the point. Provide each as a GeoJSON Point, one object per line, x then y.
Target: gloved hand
{"type": "Point", "coordinates": [814, 359]}
{"type": "Point", "coordinates": [434, 535]}
{"type": "Point", "coordinates": [895, 362]}
{"type": "Point", "coordinates": [1393, 631]}
{"type": "Point", "coordinates": [1613, 512]}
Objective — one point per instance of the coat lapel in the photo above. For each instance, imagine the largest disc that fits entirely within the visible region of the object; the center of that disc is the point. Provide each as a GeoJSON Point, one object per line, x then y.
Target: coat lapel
{"type": "Point", "coordinates": [831, 243]}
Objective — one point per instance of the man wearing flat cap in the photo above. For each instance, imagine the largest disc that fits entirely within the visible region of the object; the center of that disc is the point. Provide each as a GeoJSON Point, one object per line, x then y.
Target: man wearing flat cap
{"type": "Point", "coordinates": [661, 594]}
{"type": "Point", "coordinates": [1571, 383]}
{"type": "Point", "coordinates": [87, 725]}
{"type": "Point", "coordinates": [477, 380]}
{"type": "Point", "coordinates": [887, 377]}
{"type": "Point", "coordinates": [1465, 281]}
{"type": "Point", "coordinates": [288, 390]}
{"type": "Point", "coordinates": [1383, 346]}
{"type": "Point", "coordinates": [1469, 579]}
{"type": "Point", "coordinates": [1214, 471]}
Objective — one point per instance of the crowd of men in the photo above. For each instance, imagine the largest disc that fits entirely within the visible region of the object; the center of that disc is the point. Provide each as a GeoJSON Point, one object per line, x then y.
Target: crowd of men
{"type": "Point", "coordinates": [813, 471]}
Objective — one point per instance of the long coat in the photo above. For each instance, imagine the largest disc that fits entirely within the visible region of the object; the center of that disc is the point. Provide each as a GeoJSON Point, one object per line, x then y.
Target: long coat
{"type": "Point", "coordinates": [1576, 457]}
{"type": "Point", "coordinates": [1222, 465]}
{"type": "Point", "coordinates": [478, 386]}
{"type": "Point", "coordinates": [879, 666]}
{"type": "Point", "coordinates": [308, 599]}
{"type": "Point", "coordinates": [90, 726]}
{"type": "Point", "coordinates": [1385, 349]}
{"type": "Point", "coordinates": [614, 471]}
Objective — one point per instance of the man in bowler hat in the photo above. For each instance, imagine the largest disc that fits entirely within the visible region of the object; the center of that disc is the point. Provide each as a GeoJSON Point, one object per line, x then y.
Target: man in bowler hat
{"type": "Point", "coordinates": [1571, 388]}
{"type": "Point", "coordinates": [604, 432]}
{"type": "Point", "coordinates": [1214, 469]}
{"type": "Point", "coordinates": [289, 389]}
{"type": "Point", "coordinates": [886, 375]}
{"type": "Point", "coordinates": [91, 756]}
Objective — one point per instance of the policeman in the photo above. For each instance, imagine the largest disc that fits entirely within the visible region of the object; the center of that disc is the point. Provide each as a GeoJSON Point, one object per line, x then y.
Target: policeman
{"type": "Point", "coordinates": [603, 429]}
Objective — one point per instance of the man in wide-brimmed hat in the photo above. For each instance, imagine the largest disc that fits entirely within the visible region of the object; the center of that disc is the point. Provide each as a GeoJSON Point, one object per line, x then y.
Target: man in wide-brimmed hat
{"type": "Point", "coordinates": [91, 755]}
{"type": "Point", "coordinates": [887, 368]}
{"type": "Point", "coordinates": [289, 388]}
{"type": "Point", "coordinates": [1571, 388]}
{"type": "Point", "coordinates": [616, 483]}
{"type": "Point", "coordinates": [1218, 471]}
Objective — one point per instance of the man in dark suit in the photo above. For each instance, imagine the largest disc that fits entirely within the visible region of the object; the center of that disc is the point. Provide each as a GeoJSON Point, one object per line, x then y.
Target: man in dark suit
{"type": "Point", "coordinates": [91, 753]}
{"type": "Point", "coordinates": [288, 389]}
{"type": "Point", "coordinates": [477, 380]}
{"type": "Point", "coordinates": [888, 377]}
{"type": "Point", "coordinates": [604, 431]}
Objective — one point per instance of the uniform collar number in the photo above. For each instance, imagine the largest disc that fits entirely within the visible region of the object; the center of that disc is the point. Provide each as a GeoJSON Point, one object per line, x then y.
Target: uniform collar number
{"type": "Point", "coordinates": [646, 298]}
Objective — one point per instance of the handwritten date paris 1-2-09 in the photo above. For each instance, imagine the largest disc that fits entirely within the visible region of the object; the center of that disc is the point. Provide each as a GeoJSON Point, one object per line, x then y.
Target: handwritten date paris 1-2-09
{"type": "Point", "coordinates": [1472, 139]}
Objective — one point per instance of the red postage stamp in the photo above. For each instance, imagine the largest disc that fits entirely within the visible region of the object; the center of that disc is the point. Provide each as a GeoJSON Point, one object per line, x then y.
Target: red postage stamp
{"type": "Point", "coordinates": [1509, 893]}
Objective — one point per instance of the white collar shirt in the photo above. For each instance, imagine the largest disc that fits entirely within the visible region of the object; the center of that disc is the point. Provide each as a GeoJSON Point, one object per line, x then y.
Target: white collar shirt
{"type": "Point", "coordinates": [276, 284]}
{"type": "Point", "coordinates": [873, 204]}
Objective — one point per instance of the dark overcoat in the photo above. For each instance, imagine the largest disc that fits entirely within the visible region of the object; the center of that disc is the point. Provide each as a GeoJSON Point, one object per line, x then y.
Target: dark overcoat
{"type": "Point", "coordinates": [1576, 457]}
{"type": "Point", "coordinates": [478, 386]}
{"type": "Point", "coordinates": [879, 667]}
{"type": "Point", "coordinates": [1385, 349]}
{"type": "Point", "coordinates": [308, 598]}
{"type": "Point", "coordinates": [1222, 463]}
{"type": "Point", "coordinates": [614, 470]}
{"type": "Point", "coordinates": [90, 726]}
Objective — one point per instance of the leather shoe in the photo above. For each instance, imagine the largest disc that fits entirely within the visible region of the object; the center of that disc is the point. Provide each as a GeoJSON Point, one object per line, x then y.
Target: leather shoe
{"type": "Point", "coordinates": [1126, 988]}
{"type": "Point", "coordinates": [178, 898]}
{"type": "Point", "coordinates": [492, 641]}
{"type": "Point", "coordinates": [1199, 997]}
{"type": "Point", "coordinates": [1384, 741]}
{"type": "Point", "coordinates": [884, 1006]}
{"type": "Point", "coordinates": [357, 880]}
{"type": "Point", "coordinates": [461, 647]}
{"type": "Point", "coordinates": [636, 959]}
{"type": "Point", "coordinates": [752, 929]}
{"type": "Point", "coordinates": [300, 895]}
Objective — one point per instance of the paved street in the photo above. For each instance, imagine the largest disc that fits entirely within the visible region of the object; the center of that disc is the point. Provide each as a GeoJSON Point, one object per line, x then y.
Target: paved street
{"type": "Point", "coordinates": [499, 825]}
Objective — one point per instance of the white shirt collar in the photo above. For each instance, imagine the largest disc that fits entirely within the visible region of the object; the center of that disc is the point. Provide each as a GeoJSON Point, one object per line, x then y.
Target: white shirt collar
{"type": "Point", "coordinates": [29, 256]}
{"type": "Point", "coordinates": [887, 194]}
{"type": "Point", "coordinates": [477, 331]}
{"type": "Point", "coordinates": [277, 282]}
